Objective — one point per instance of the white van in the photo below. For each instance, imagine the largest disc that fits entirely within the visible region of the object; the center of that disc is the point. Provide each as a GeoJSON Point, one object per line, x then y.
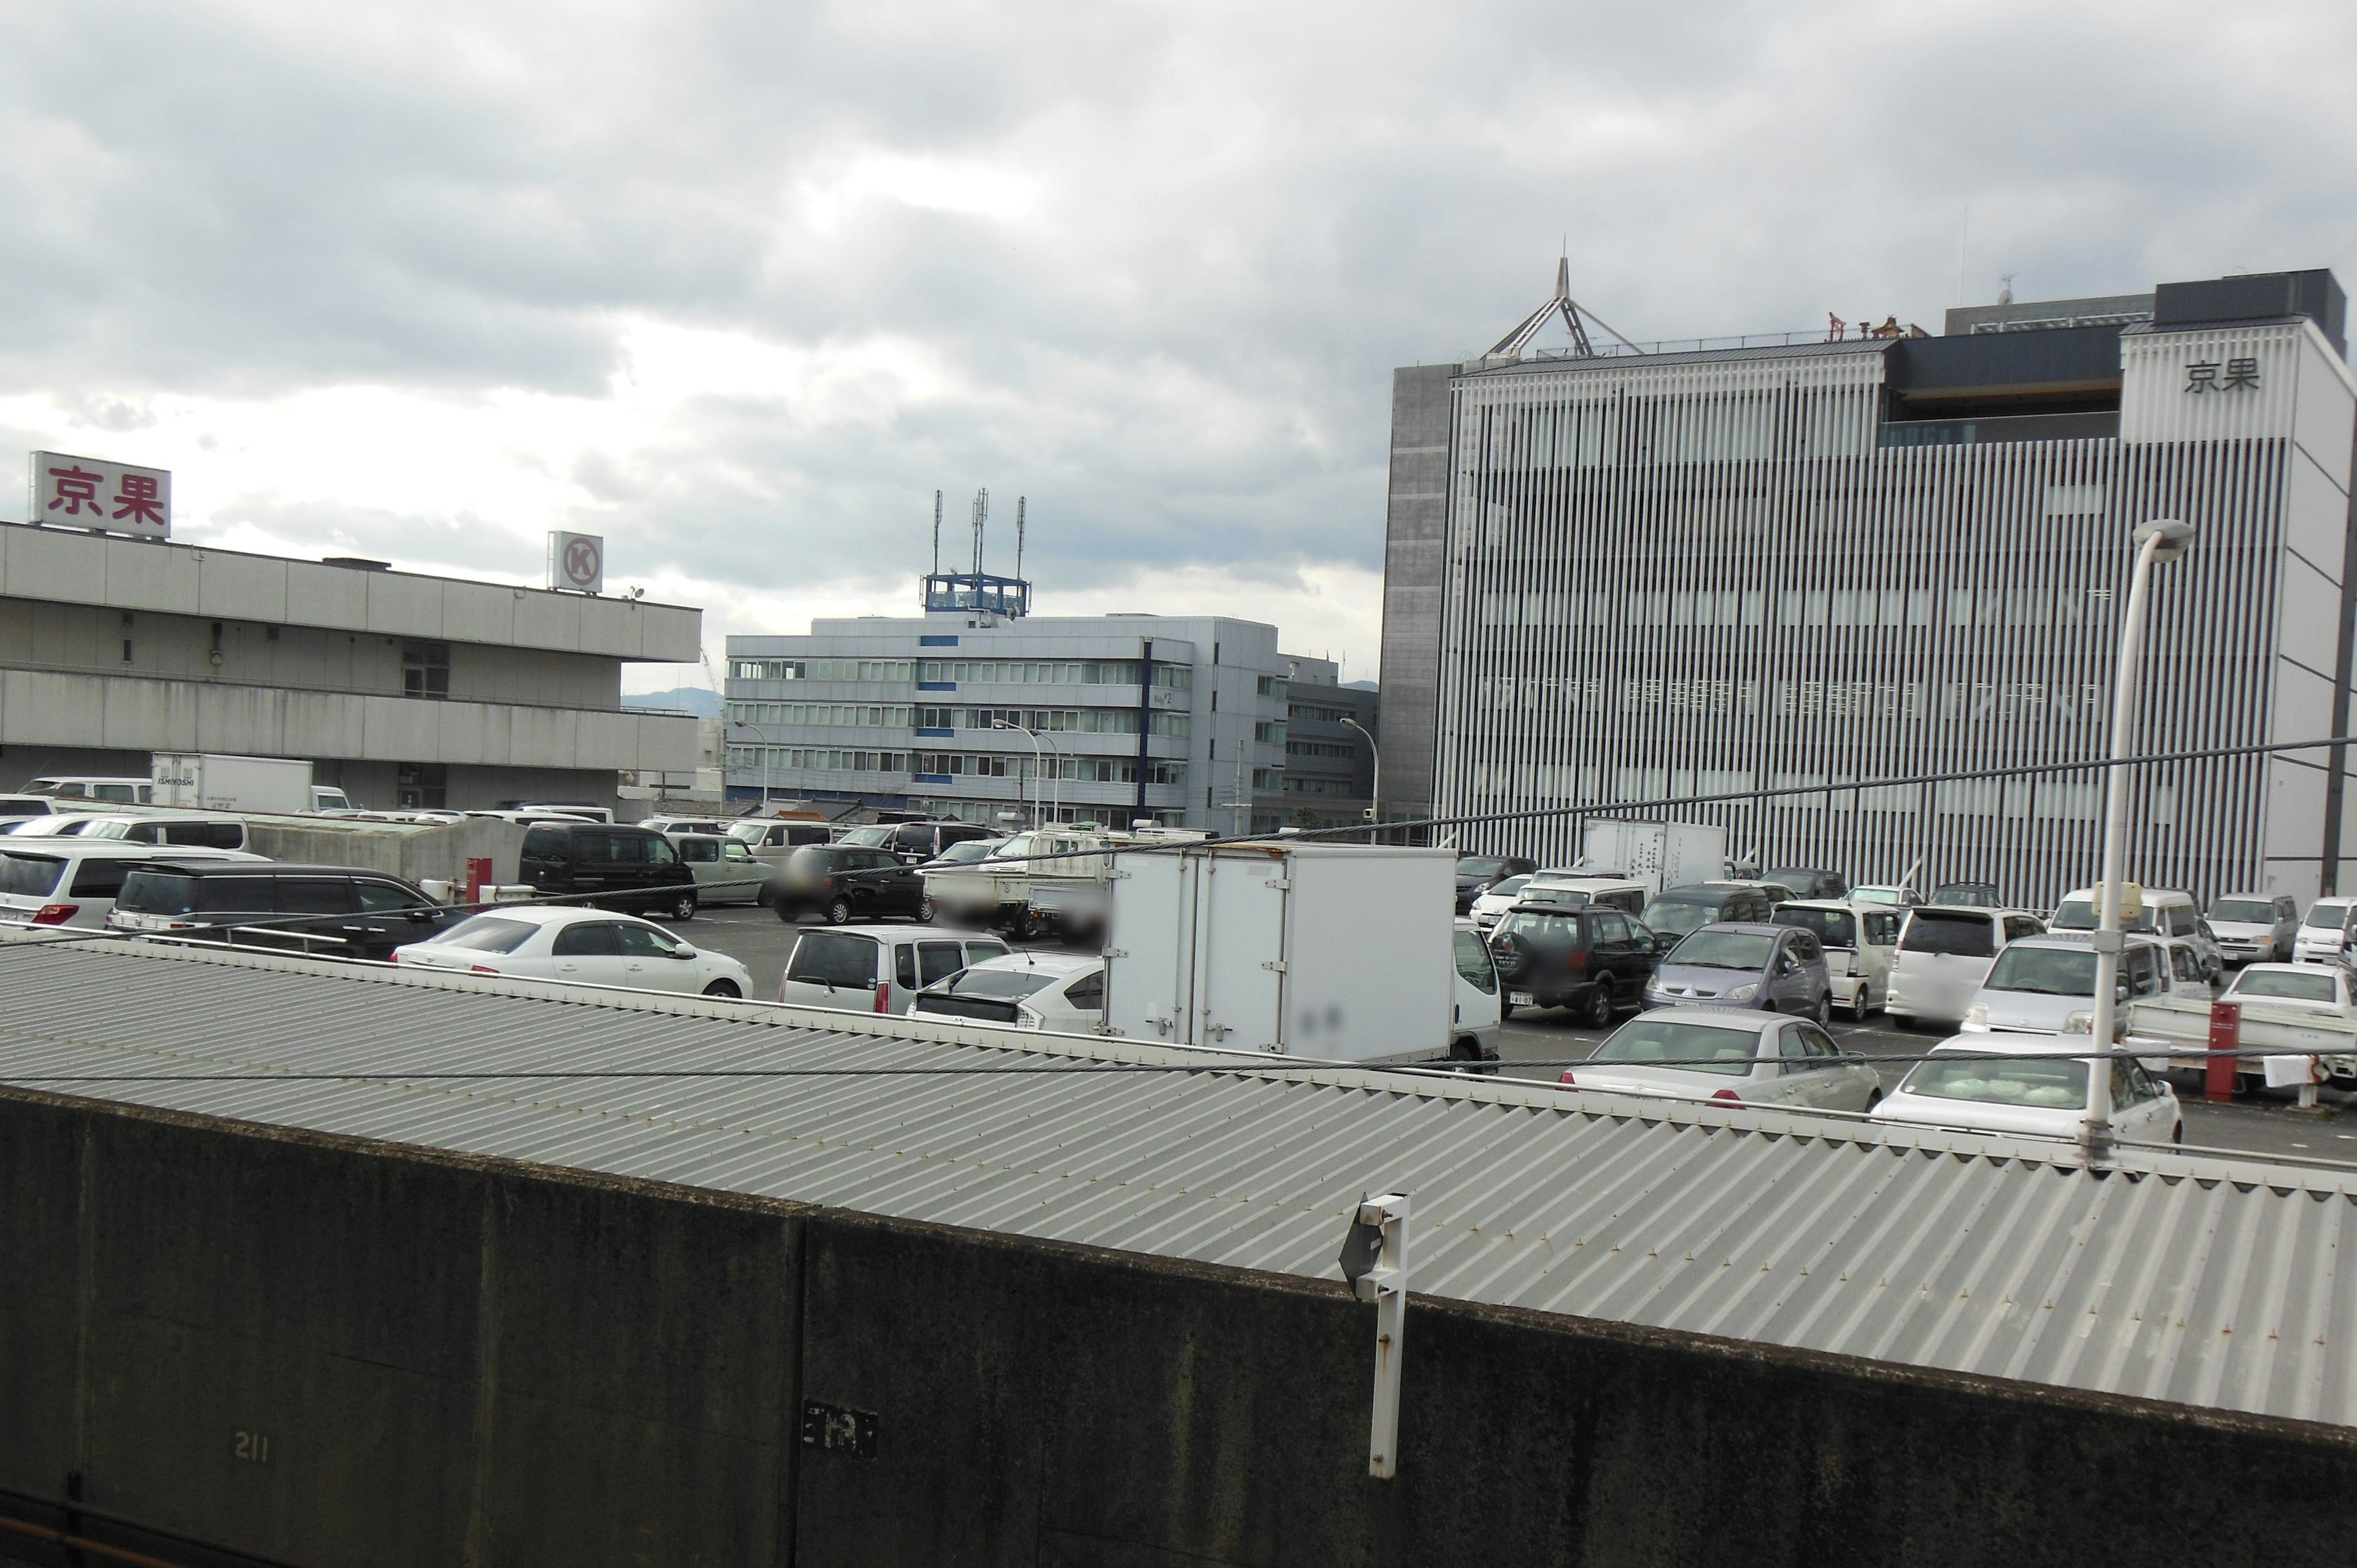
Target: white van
{"type": "Point", "coordinates": [73, 881]}
{"type": "Point", "coordinates": [1945, 955]}
{"type": "Point", "coordinates": [876, 969]}
{"type": "Point", "coordinates": [1861, 943]}
{"type": "Point", "coordinates": [86, 787]}
{"type": "Point", "coordinates": [207, 830]}
{"type": "Point", "coordinates": [2325, 935]}
{"type": "Point", "coordinates": [2165, 912]}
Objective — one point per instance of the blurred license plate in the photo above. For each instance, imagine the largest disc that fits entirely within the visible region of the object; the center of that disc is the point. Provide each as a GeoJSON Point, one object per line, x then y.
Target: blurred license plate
{"type": "Point", "coordinates": [1522, 999]}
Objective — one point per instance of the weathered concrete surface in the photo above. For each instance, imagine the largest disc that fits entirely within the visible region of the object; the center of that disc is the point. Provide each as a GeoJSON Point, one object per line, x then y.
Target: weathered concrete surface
{"type": "Point", "coordinates": [458, 1360]}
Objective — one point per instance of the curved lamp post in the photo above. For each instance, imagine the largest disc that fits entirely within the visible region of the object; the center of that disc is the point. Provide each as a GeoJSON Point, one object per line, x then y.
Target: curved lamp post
{"type": "Point", "coordinates": [1375, 787]}
{"type": "Point", "coordinates": [1038, 765]}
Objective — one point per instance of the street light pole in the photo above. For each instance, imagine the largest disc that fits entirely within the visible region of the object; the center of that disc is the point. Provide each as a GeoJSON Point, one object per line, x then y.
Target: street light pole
{"type": "Point", "coordinates": [2159, 540]}
{"type": "Point", "coordinates": [763, 737]}
{"type": "Point", "coordinates": [1375, 787]}
{"type": "Point", "coordinates": [1038, 766]}
{"type": "Point", "coordinates": [1056, 811]}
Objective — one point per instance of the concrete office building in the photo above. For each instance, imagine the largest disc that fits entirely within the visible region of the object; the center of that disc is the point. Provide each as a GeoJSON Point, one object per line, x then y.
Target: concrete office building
{"type": "Point", "coordinates": [1622, 574]}
{"type": "Point", "coordinates": [404, 689]}
{"type": "Point", "coordinates": [1329, 767]}
{"type": "Point", "coordinates": [1178, 719]}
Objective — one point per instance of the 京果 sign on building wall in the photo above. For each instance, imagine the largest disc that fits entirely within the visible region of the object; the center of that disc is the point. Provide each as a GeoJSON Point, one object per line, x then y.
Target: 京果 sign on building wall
{"type": "Point", "coordinates": [110, 497]}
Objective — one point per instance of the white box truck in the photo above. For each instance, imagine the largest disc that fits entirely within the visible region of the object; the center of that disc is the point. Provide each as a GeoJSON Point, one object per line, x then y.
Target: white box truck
{"type": "Point", "coordinates": [212, 782]}
{"type": "Point", "coordinates": [1659, 854]}
{"type": "Point", "coordinates": [1338, 951]}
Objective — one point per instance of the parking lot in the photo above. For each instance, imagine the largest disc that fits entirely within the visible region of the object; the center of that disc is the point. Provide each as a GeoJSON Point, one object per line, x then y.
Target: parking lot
{"type": "Point", "coordinates": [1539, 1045]}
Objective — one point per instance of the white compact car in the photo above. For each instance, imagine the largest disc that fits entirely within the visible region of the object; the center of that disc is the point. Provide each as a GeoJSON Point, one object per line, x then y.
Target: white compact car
{"type": "Point", "coordinates": [1861, 943]}
{"type": "Point", "coordinates": [877, 969]}
{"type": "Point", "coordinates": [1944, 953]}
{"type": "Point", "coordinates": [586, 946]}
{"type": "Point", "coordinates": [1063, 992]}
{"type": "Point", "coordinates": [1491, 906]}
{"type": "Point", "coordinates": [1731, 1058]}
{"type": "Point", "coordinates": [2325, 934]}
{"type": "Point", "coordinates": [2022, 1085]}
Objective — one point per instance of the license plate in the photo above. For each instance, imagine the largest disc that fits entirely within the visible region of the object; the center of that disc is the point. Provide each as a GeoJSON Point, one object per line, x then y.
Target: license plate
{"type": "Point", "coordinates": [1522, 999]}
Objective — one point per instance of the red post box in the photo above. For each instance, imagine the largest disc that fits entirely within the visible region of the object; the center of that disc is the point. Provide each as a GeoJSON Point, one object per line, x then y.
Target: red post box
{"type": "Point", "coordinates": [479, 877]}
{"type": "Point", "coordinates": [2225, 1039]}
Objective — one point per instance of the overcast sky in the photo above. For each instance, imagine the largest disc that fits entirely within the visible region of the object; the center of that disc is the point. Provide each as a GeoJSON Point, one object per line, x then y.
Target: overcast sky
{"type": "Point", "coordinates": [739, 285]}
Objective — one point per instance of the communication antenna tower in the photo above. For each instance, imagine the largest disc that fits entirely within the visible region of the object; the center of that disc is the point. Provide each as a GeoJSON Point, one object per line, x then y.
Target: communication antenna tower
{"type": "Point", "coordinates": [937, 533]}
{"type": "Point", "coordinates": [981, 514]}
{"type": "Point", "coordinates": [1019, 501]}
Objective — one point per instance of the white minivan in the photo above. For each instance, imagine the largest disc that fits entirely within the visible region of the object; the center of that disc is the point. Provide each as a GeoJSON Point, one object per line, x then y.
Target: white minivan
{"type": "Point", "coordinates": [2046, 986]}
{"type": "Point", "coordinates": [2325, 936]}
{"type": "Point", "coordinates": [2163, 912]}
{"type": "Point", "coordinates": [73, 881]}
{"type": "Point", "coordinates": [877, 969]}
{"type": "Point", "coordinates": [1945, 955]}
{"type": "Point", "coordinates": [1861, 943]}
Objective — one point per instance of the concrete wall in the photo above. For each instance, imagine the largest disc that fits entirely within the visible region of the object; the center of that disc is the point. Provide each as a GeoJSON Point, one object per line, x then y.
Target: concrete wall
{"type": "Point", "coordinates": [372, 785]}
{"type": "Point", "coordinates": [412, 852]}
{"type": "Point", "coordinates": [1415, 542]}
{"type": "Point", "coordinates": [468, 1362]}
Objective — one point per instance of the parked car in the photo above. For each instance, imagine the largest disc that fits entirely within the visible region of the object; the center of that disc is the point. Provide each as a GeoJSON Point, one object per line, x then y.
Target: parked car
{"type": "Point", "coordinates": [1059, 991]}
{"type": "Point", "coordinates": [1678, 912]}
{"type": "Point", "coordinates": [1807, 884]}
{"type": "Point", "coordinates": [68, 881]}
{"type": "Point", "coordinates": [724, 867]}
{"type": "Point", "coordinates": [1491, 906]}
{"type": "Point", "coordinates": [213, 830]}
{"type": "Point", "coordinates": [1589, 959]}
{"type": "Point", "coordinates": [1967, 896]}
{"type": "Point", "coordinates": [1945, 955]}
{"type": "Point", "coordinates": [1477, 873]}
{"type": "Point", "coordinates": [1897, 897]}
{"type": "Point", "coordinates": [613, 867]}
{"type": "Point", "coordinates": [667, 826]}
{"type": "Point", "coordinates": [20, 808]}
{"type": "Point", "coordinates": [2163, 912]}
{"type": "Point", "coordinates": [1861, 941]}
{"type": "Point", "coordinates": [966, 852]}
{"type": "Point", "coordinates": [917, 843]}
{"type": "Point", "coordinates": [2254, 927]}
{"type": "Point", "coordinates": [2326, 990]}
{"type": "Point", "coordinates": [2020, 1085]}
{"type": "Point", "coordinates": [1625, 894]}
{"type": "Point", "coordinates": [327, 911]}
{"type": "Point", "coordinates": [2046, 986]}
{"type": "Point", "coordinates": [780, 838]}
{"type": "Point", "coordinates": [2328, 932]}
{"type": "Point", "coordinates": [1776, 969]}
{"type": "Point", "coordinates": [845, 883]}
{"type": "Point", "coordinates": [1710, 1053]}
{"type": "Point", "coordinates": [586, 946]}
{"type": "Point", "coordinates": [90, 786]}
{"type": "Point", "coordinates": [876, 969]}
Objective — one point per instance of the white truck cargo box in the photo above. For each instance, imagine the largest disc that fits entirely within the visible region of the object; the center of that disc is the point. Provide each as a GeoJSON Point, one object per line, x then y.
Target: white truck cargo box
{"type": "Point", "coordinates": [214, 782]}
{"type": "Point", "coordinates": [1659, 854]}
{"type": "Point", "coordinates": [1340, 951]}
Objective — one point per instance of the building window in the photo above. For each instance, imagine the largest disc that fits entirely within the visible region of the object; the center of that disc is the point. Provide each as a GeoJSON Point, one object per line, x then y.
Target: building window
{"type": "Point", "coordinates": [1272, 686]}
{"type": "Point", "coordinates": [426, 669]}
{"type": "Point", "coordinates": [1269, 732]}
{"type": "Point", "coordinates": [422, 785]}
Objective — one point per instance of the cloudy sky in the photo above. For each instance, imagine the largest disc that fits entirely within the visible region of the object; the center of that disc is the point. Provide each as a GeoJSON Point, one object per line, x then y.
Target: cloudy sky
{"type": "Point", "coordinates": [739, 285]}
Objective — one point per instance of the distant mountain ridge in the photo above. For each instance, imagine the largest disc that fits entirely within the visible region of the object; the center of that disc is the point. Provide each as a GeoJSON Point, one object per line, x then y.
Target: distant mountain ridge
{"type": "Point", "coordinates": [694, 700]}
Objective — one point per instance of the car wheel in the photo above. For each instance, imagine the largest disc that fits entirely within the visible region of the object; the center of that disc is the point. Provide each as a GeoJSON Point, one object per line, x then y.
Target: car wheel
{"type": "Point", "coordinates": [1505, 1011]}
{"type": "Point", "coordinates": [786, 911]}
{"type": "Point", "coordinates": [925, 911]}
{"type": "Point", "coordinates": [683, 907]}
{"type": "Point", "coordinates": [1860, 1009]}
{"type": "Point", "coordinates": [1597, 1014]}
{"type": "Point", "coordinates": [1873, 1098]}
{"type": "Point", "coordinates": [1823, 1013]}
{"type": "Point", "coordinates": [727, 988]}
{"type": "Point", "coordinates": [839, 912]}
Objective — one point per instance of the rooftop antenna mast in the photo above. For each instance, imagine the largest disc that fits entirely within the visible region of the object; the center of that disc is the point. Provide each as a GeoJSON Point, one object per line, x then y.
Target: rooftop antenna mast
{"type": "Point", "coordinates": [1018, 534]}
{"type": "Point", "coordinates": [937, 533]}
{"type": "Point", "coordinates": [981, 512]}
{"type": "Point", "coordinates": [1569, 310]}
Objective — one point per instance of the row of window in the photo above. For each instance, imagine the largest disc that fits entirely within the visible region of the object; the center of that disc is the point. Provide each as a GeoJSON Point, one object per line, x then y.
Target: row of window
{"type": "Point", "coordinates": [2050, 800]}
{"type": "Point", "coordinates": [886, 714]}
{"type": "Point", "coordinates": [1293, 784]}
{"type": "Point", "coordinates": [821, 670]}
{"type": "Point", "coordinates": [1320, 748]}
{"type": "Point", "coordinates": [2044, 605]}
{"type": "Point", "coordinates": [1303, 713]}
{"type": "Point", "coordinates": [1078, 769]}
{"type": "Point", "coordinates": [1079, 721]}
{"type": "Point", "coordinates": [1054, 672]}
{"type": "Point", "coordinates": [2062, 702]}
{"type": "Point", "coordinates": [824, 759]}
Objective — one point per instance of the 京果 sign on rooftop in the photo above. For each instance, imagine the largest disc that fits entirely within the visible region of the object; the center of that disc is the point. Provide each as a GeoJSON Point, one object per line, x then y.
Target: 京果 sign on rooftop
{"type": "Point", "coordinates": [110, 497]}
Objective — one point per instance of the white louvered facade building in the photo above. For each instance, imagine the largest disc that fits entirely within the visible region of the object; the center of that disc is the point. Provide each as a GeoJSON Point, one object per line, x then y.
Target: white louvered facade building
{"type": "Point", "coordinates": [1633, 578]}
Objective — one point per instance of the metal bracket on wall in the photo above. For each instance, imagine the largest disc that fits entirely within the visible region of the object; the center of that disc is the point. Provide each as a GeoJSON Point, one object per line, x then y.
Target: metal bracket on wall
{"type": "Point", "coordinates": [1374, 1261]}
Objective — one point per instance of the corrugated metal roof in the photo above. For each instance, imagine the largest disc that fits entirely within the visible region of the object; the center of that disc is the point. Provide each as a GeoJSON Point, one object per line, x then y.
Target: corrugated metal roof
{"type": "Point", "coordinates": [2211, 1282]}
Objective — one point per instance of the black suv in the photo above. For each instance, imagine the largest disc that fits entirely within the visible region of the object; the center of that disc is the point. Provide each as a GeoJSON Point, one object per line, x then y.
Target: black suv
{"type": "Point", "coordinates": [848, 882]}
{"type": "Point", "coordinates": [328, 911]}
{"type": "Point", "coordinates": [1594, 960]}
{"type": "Point", "coordinates": [1680, 912]}
{"type": "Point", "coordinates": [1806, 884]}
{"type": "Point", "coordinates": [1477, 873]}
{"type": "Point", "coordinates": [634, 870]}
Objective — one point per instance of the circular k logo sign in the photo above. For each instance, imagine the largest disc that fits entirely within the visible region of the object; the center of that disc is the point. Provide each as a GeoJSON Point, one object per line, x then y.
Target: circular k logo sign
{"type": "Point", "coordinates": [582, 565]}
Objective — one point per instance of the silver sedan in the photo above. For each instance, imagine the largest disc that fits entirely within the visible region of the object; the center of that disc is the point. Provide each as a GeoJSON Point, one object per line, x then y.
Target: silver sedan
{"type": "Point", "coordinates": [1732, 1058]}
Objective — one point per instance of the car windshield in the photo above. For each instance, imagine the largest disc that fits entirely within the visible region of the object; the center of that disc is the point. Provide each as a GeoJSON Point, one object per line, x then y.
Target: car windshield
{"type": "Point", "coordinates": [1537, 925]}
{"type": "Point", "coordinates": [750, 832]}
{"type": "Point", "coordinates": [1960, 936]}
{"type": "Point", "coordinates": [1874, 894]}
{"type": "Point", "coordinates": [1800, 882]}
{"type": "Point", "coordinates": [156, 893]}
{"type": "Point", "coordinates": [1978, 895]}
{"type": "Point", "coordinates": [2327, 915]}
{"type": "Point", "coordinates": [1835, 927]}
{"type": "Point", "coordinates": [1001, 984]}
{"type": "Point", "coordinates": [2078, 915]}
{"type": "Point", "coordinates": [2046, 1085]}
{"type": "Point", "coordinates": [1478, 867]}
{"type": "Point", "coordinates": [28, 876]}
{"type": "Point", "coordinates": [1676, 914]}
{"type": "Point", "coordinates": [1508, 888]}
{"type": "Point", "coordinates": [965, 851]}
{"type": "Point", "coordinates": [1724, 950]}
{"type": "Point", "coordinates": [2047, 972]}
{"type": "Point", "coordinates": [866, 838]}
{"type": "Point", "coordinates": [1016, 848]}
{"type": "Point", "coordinates": [2250, 911]}
{"type": "Point", "coordinates": [486, 933]}
{"type": "Point", "coordinates": [1691, 1047]}
{"type": "Point", "coordinates": [1563, 897]}
{"type": "Point", "coordinates": [2312, 986]}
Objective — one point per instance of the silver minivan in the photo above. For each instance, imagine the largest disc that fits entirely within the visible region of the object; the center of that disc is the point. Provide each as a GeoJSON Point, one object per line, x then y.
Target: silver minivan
{"type": "Point", "coordinates": [1944, 956]}
{"type": "Point", "coordinates": [724, 867]}
{"type": "Point", "coordinates": [876, 969]}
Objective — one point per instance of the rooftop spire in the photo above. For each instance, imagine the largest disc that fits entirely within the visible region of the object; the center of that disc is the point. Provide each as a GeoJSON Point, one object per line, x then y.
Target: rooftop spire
{"type": "Point", "coordinates": [1560, 305]}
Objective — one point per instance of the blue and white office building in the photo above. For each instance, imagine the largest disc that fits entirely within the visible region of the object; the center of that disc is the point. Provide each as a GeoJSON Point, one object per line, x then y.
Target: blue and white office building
{"type": "Point", "coordinates": [1617, 572]}
{"type": "Point", "coordinates": [980, 710]}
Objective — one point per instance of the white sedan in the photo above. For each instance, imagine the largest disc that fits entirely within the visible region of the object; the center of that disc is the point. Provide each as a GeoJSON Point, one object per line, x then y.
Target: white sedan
{"type": "Point", "coordinates": [2027, 1085]}
{"type": "Point", "coordinates": [587, 947]}
{"type": "Point", "coordinates": [1059, 992]}
{"type": "Point", "coordinates": [1735, 1057]}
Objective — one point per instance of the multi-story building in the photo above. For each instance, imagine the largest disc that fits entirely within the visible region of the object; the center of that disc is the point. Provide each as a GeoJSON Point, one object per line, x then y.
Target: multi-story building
{"type": "Point", "coordinates": [978, 710]}
{"type": "Point", "coordinates": [404, 689]}
{"type": "Point", "coordinates": [1632, 577]}
{"type": "Point", "coordinates": [1328, 780]}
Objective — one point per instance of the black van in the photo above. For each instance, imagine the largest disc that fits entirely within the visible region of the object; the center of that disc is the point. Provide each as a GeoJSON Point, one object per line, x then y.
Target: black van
{"type": "Point", "coordinates": [635, 870]}
{"type": "Point", "coordinates": [328, 911]}
{"type": "Point", "coordinates": [1679, 912]}
{"type": "Point", "coordinates": [915, 842]}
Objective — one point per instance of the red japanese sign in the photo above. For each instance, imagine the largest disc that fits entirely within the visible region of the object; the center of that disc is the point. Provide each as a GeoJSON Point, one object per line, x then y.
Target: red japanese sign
{"type": "Point", "coordinates": [107, 498]}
